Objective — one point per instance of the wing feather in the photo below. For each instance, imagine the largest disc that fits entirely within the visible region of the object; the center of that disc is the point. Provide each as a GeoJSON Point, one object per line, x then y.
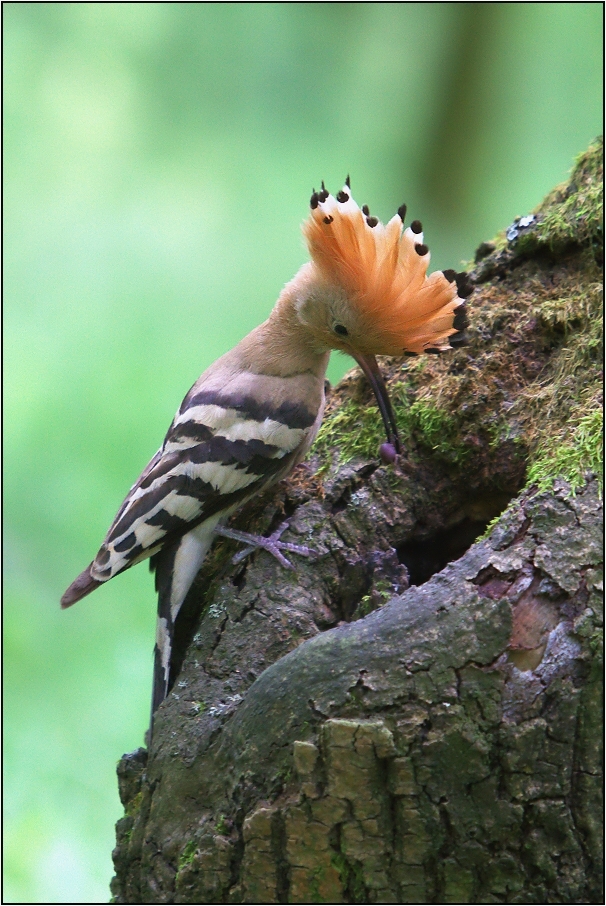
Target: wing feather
{"type": "Point", "coordinates": [216, 455]}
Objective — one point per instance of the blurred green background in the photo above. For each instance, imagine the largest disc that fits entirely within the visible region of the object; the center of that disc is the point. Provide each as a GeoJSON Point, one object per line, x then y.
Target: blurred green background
{"type": "Point", "coordinates": [159, 159]}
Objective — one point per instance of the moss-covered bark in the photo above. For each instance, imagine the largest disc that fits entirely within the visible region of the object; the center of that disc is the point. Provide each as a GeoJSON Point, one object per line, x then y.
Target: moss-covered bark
{"type": "Point", "coordinates": [412, 717]}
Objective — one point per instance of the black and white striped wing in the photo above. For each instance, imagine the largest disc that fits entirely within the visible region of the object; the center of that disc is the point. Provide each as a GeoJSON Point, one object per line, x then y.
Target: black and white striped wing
{"type": "Point", "coordinates": [219, 452]}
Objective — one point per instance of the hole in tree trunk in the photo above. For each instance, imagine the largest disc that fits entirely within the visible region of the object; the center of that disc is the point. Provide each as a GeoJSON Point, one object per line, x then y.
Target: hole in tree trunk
{"type": "Point", "coordinates": [430, 551]}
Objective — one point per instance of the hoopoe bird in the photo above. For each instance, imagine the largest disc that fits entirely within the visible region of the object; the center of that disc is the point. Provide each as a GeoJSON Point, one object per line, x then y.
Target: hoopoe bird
{"type": "Point", "coordinates": [253, 415]}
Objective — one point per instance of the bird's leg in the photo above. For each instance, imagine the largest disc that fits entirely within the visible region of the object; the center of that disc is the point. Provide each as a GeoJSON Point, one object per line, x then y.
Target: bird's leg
{"type": "Point", "coordinates": [272, 544]}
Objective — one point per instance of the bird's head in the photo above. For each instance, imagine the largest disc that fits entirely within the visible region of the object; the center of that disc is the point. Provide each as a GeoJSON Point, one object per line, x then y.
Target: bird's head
{"type": "Point", "coordinates": [370, 293]}
{"type": "Point", "coordinates": [367, 291]}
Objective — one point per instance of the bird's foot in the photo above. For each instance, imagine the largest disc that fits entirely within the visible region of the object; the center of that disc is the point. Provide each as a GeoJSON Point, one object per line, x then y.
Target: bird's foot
{"type": "Point", "coordinates": [272, 544]}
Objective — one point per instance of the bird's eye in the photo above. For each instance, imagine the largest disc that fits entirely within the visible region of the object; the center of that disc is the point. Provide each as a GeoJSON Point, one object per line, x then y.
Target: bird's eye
{"type": "Point", "coordinates": [340, 329]}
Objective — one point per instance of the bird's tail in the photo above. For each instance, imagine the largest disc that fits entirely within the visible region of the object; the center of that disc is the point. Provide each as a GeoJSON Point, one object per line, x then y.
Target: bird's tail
{"type": "Point", "coordinates": [163, 564]}
{"type": "Point", "coordinates": [176, 567]}
{"type": "Point", "coordinates": [80, 587]}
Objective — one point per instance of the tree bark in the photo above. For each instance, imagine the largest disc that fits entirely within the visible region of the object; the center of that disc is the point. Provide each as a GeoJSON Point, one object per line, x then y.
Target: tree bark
{"type": "Point", "coordinates": [414, 716]}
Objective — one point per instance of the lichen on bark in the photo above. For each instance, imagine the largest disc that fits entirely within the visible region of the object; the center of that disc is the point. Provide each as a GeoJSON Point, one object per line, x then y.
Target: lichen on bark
{"type": "Point", "coordinates": [414, 716]}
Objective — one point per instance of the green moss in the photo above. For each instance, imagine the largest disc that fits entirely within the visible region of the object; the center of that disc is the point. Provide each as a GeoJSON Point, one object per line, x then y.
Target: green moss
{"type": "Point", "coordinates": [222, 827]}
{"type": "Point", "coordinates": [596, 645]}
{"type": "Point", "coordinates": [339, 862]}
{"type": "Point", "coordinates": [435, 428]}
{"type": "Point", "coordinates": [357, 432]}
{"type": "Point", "coordinates": [352, 877]}
{"type": "Point", "coordinates": [366, 605]}
{"type": "Point", "coordinates": [314, 885]}
{"type": "Point", "coordinates": [581, 452]}
{"type": "Point", "coordinates": [353, 430]}
{"type": "Point", "coordinates": [493, 522]}
{"type": "Point", "coordinates": [565, 314]}
{"type": "Point", "coordinates": [573, 212]}
{"type": "Point", "coordinates": [561, 412]}
{"type": "Point", "coordinates": [133, 806]}
{"type": "Point", "coordinates": [187, 856]}
{"type": "Point", "coordinates": [284, 775]}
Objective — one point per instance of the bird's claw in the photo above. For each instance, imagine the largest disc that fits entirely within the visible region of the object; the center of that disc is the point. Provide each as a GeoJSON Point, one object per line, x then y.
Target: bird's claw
{"type": "Point", "coordinates": [271, 544]}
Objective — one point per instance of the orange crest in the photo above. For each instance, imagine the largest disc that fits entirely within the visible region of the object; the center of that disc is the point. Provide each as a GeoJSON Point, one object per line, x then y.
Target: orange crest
{"type": "Point", "coordinates": [383, 270]}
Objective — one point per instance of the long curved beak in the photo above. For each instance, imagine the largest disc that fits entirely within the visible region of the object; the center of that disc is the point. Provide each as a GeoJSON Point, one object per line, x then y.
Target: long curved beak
{"type": "Point", "coordinates": [369, 366]}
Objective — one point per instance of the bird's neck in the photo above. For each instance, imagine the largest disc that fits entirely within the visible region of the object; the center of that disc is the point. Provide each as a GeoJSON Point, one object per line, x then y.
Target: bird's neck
{"type": "Point", "coordinates": [282, 345]}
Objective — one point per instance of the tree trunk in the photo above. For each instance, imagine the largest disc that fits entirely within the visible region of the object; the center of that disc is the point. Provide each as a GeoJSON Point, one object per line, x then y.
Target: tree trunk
{"type": "Point", "coordinates": [414, 716]}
